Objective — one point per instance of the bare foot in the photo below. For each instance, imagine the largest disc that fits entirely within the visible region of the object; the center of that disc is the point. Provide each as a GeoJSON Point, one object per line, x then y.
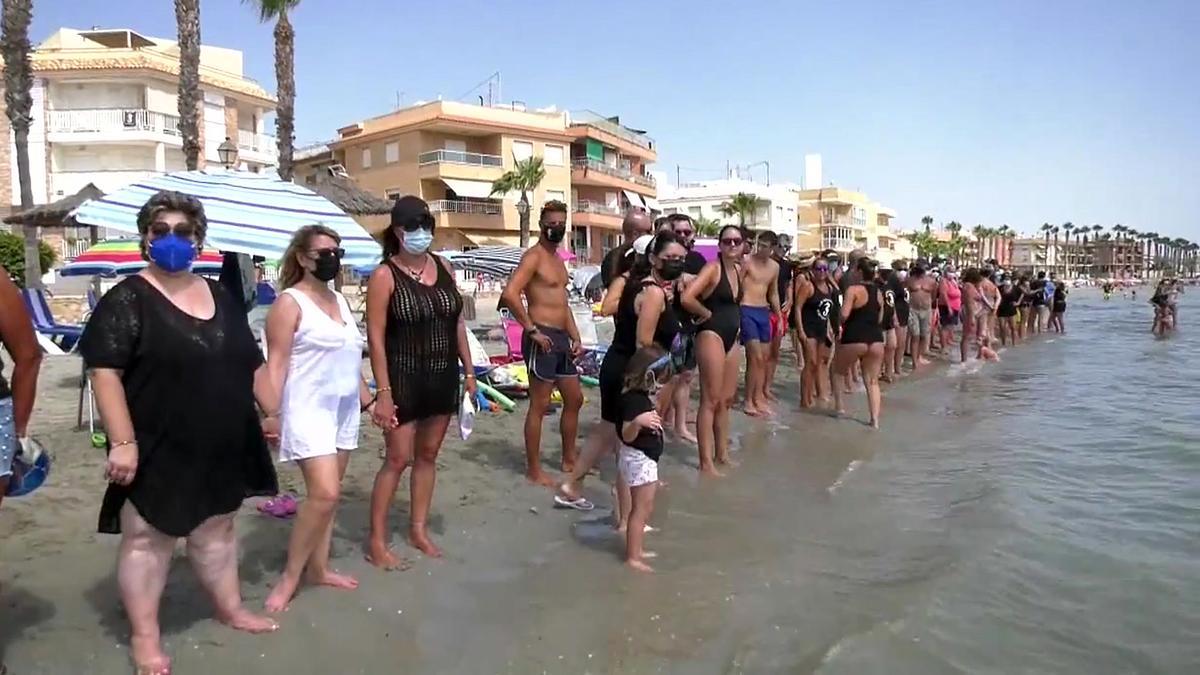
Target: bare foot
{"type": "Point", "coordinates": [685, 435]}
{"type": "Point", "coordinates": [281, 595]}
{"type": "Point", "coordinates": [245, 620]}
{"type": "Point", "coordinates": [568, 491]}
{"type": "Point", "coordinates": [148, 657]}
{"type": "Point", "coordinates": [711, 472]}
{"type": "Point", "coordinates": [924, 362]}
{"type": "Point", "coordinates": [726, 461]}
{"type": "Point", "coordinates": [334, 579]}
{"type": "Point", "coordinates": [639, 566]}
{"type": "Point", "coordinates": [384, 558]}
{"type": "Point", "coordinates": [874, 424]}
{"type": "Point", "coordinates": [568, 467]}
{"type": "Point", "coordinates": [751, 411]}
{"type": "Point", "coordinates": [420, 541]}
{"type": "Point", "coordinates": [772, 397]}
{"type": "Point", "coordinates": [540, 478]}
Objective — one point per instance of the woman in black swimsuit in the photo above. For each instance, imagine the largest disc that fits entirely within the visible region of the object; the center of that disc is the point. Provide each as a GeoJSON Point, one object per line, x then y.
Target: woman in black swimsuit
{"type": "Point", "coordinates": [645, 315]}
{"type": "Point", "coordinates": [714, 299]}
{"type": "Point", "coordinates": [862, 338]}
{"type": "Point", "coordinates": [816, 296]}
{"type": "Point", "coordinates": [1058, 308]}
{"type": "Point", "coordinates": [1010, 298]}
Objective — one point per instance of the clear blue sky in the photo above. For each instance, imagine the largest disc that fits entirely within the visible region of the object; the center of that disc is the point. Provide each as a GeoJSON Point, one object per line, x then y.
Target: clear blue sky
{"type": "Point", "coordinates": [985, 112]}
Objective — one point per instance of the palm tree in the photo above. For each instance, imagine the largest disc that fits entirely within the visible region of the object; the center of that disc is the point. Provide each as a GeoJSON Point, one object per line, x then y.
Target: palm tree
{"type": "Point", "coordinates": [524, 177]}
{"type": "Point", "coordinates": [1055, 230]}
{"type": "Point", "coordinates": [285, 77]}
{"type": "Point", "coordinates": [1067, 227]}
{"type": "Point", "coordinates": [706, 227]}
{"type": "Point", "coordinates": [979, 232]}
{"type": "Point", "coordinates": [18, 81]}
{"type": "Point", "coordinates": [957, 244]}
{"type": "Point", "coordinates": [927, 221]}
{"type": "Point", "coordinates": [741, 204]}
{"type": "Point", "coordinates": [1046, 227]}
{"type": "Point", "coordinates": [187, 24]}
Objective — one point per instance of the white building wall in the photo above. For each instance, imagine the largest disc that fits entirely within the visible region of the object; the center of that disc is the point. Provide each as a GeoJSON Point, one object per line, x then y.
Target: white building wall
{"type": "Point", "coordinates": [95, 95]}
{"type": "Point", "coordinates": [162, 98]}
{"type": "Point", "coordinates": [214, 125]}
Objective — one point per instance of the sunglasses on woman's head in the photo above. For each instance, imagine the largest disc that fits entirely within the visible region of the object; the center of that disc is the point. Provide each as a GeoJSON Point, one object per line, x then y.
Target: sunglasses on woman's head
{"type": "Point", "coordinates": [421, 222]}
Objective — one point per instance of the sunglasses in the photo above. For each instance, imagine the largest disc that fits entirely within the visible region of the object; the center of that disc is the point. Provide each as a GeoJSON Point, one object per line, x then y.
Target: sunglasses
{"type": "Point", "coordinates": [821, 268]}
{"type": "Point", "coordinates": [731, 241]}
{"type": "Point", "coordinates": [684, 233]}
{"type": "Point", "coordinates": [160, 229]}
{"type": "Point", "coordinates": [338, 253]}
{"type": "Point", "coordinates": [421, 222]}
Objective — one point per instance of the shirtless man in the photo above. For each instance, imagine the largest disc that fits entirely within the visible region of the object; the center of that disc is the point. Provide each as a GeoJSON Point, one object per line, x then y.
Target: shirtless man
{"type": "Point", "coordinates": [551, 341]}
{"type": "Point", "coordinates": [990, 296]}
{"type": "Point", "coordinates": [780, 255]}
{"type": "Point", "coordinates": [760, 301]}
{"type": "Point", "coordinates": [921, 288]}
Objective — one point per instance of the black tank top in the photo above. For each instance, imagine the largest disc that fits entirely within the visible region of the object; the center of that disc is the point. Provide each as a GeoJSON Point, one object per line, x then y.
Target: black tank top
{"type": "Point", "coordinates": [625, 322]}
{"type": "Point", "coordinates": [863, 323]}
{"type": "Point", "coordinates": [818, 308]}
{"type": "Point", "coordinates": [889, 313]}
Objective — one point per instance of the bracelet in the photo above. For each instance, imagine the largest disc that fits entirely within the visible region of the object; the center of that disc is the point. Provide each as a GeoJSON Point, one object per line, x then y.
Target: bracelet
{"type": "Point", "coordinates": [117, 445]}
{"type": "Point", "coordinates": [381, 390]}
{"type": "Point", "coordinates": [469, 376]}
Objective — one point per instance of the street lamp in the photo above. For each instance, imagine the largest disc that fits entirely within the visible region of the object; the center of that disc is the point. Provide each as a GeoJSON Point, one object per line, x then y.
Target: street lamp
{"type": "Point", "coordinates": [228, 153]}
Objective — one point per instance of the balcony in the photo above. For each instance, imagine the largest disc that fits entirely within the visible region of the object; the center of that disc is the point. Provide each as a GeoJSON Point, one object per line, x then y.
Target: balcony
{"type": "Point", "coordinates": [584, 168]}
{"type": "Point", "coordinates": [460, 206]}
{"type": "Point", "coordinates": [458, 164]}
{"type": "Point", "coordinates": [458, 157]}
{"type": "Point", "coordinates": [258, 148]}
{"type": "Point", "coordinates": [589, 213]}
{"type": "Point", "coordinates": [587, 118]}
{"type": "Point", "coordinates": [114, 125]}
{"type": "Point", "coordinates": [468, 215]}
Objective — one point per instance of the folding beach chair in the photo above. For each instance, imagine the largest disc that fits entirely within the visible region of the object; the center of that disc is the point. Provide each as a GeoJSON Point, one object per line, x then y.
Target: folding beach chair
{"type": "Point", "coordinates": [63, 336]}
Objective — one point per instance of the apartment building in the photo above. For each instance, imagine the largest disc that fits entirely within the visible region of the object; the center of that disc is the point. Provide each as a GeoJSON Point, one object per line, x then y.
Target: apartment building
{"type": "Point", "coordinates": [843, 220]}
{"type": "Point", "coordinates": [1034, 254]}
{"type": "Point", "coordinates": [105, 111]}
{"type": "Point", "coordinates": [608, 175]}
{"type": "Point", "coordinates": [777, 208]}
{"type": "Point", "coordinates": [449, 153]}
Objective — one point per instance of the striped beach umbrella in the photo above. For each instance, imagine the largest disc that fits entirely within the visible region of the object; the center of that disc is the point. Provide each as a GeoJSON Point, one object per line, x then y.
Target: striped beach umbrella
{"type": "Point", "coordinates": [252, 213]}
{"type": "Point", "coordinates": [495, 261]}
{"type": "Point", "coordinates": [119, 257]}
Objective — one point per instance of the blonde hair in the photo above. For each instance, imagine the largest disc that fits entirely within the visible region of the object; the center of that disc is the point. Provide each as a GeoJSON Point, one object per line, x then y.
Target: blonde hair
{"type": "Point", "coordinates": [290, 271]}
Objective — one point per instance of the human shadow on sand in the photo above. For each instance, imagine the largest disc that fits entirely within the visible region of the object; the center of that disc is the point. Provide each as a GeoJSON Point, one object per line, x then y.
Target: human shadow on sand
{"type": "Point", "coordinates": [20, 613]}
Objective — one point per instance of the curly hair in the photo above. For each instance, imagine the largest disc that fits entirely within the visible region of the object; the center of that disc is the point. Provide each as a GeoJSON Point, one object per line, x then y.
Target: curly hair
{"type": "Point", "coordinates": [169, 200]}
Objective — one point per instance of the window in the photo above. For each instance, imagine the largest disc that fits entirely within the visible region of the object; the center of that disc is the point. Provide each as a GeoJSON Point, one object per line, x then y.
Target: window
{"type": "Point", "coordinates": [366, 158]}
{"type": "Point", "coordinates": [393, 195]}
{"type": "Point", "coordinates": [694, 211]}
{"type": "Point", "coordinates": [559, 195]}
{"type": "Point", "coordinates": [391, 153]}
{"type": "Point", "coordinates": [522, 150]}
{"type": "Point", "coordinates": [555, 155]}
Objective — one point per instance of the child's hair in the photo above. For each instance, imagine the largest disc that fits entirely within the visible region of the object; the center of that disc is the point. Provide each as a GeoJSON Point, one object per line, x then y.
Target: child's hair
{"type": "Point", "coordinates": [646, 360]}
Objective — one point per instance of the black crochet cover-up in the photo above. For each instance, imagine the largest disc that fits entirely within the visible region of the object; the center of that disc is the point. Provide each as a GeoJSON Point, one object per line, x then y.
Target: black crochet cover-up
{"type": "Point", "coordinates": [421, 344]}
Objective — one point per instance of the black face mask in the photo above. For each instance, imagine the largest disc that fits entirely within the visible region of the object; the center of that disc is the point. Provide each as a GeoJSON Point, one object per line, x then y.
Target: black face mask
{"type": "Point", "coordinates": [670, 270]}
{"type": "Point", "coordinates": [328, 266]}
{"type": "Point", "coordinates": [554, 235]}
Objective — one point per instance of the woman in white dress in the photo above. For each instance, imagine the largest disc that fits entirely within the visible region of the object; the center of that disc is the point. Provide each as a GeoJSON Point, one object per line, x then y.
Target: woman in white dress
{"type": "Point", "coordinates": [314, 358]}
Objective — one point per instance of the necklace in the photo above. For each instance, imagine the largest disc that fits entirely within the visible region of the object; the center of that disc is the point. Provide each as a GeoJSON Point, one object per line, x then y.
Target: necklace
{"type": "Point", "coordinates": [416, 272]}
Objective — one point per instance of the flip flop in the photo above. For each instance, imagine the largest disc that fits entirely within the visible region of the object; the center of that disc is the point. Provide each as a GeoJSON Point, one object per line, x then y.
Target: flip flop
{"type": "Point", "coordinates": [579, 504]}
{"type": "Point", "coordinates": [282, 506]}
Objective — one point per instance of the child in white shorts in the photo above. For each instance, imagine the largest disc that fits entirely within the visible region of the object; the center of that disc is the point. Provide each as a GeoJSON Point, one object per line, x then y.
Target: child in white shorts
{"type": "Point", "coordinates": [641, 436]}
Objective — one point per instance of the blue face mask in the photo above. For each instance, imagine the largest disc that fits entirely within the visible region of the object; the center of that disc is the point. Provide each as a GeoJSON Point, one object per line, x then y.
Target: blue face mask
{"type": "Point", "coordinates": [172, 253]}
{"type": "Point", "coordinates": [418, 241]}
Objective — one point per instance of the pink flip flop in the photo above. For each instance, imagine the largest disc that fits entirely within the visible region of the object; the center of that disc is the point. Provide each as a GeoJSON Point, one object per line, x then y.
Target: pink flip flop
{"type": "Point", "coordinates": [281, 506]}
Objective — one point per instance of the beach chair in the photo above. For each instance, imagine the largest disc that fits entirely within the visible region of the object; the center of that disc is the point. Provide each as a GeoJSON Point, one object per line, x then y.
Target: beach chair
{"type": "Point", "coordinates": [64, 337]}
{"type": "Point", "coordinates": [513, 333]}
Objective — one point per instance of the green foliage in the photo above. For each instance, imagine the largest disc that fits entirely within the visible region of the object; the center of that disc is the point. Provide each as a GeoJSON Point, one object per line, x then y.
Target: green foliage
{"type": "Point", "coordinates": [12, 256]}
{"type": "Point", "coordinates": [707, 227]}
{"type": "Point", "coordinates": [741, 205]}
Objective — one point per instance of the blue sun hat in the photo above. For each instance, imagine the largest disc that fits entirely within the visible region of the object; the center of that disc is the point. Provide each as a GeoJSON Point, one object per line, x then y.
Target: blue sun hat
{"type": "Point", "coordinates": [30, 468]}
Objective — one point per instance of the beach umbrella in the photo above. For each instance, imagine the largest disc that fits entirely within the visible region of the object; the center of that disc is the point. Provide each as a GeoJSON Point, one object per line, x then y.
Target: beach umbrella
{"type": "Point", "coordinates": [251, 213]}
{"type": "Point", "coordinates": [120, 257]}
{"type": "Point", "coordinates": [495, 261]}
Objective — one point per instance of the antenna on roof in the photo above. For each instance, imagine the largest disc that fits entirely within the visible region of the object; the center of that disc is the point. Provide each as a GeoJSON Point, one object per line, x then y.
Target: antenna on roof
{"type": "Point", "coordinates": [493, 89]}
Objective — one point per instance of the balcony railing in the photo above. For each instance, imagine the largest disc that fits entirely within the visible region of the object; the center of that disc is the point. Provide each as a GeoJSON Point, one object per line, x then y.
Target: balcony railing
{"type": "Point", "coordinates": [457, 157]}
{"type": "Point", "coordinates": [248, 140]}
{"type": "Point", "coordinates": [614, 171]}
{"type": "Point", "coordinates": [589, 118]}
{"type": "Point", "coordinates": [588, 206]}
{"type": "Point", "coordinates": [459, 206]}
{"type": "Point", "coordinates": [118, 120]}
